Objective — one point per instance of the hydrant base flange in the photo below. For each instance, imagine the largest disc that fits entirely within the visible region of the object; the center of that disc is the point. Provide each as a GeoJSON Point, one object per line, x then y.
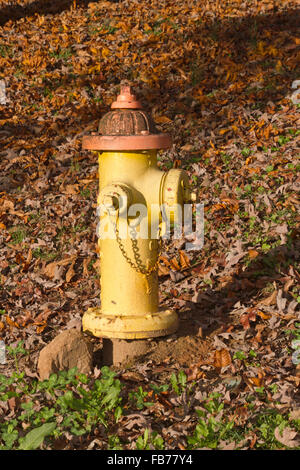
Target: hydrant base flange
{"type": "Point", "coordinates": [162, 323]}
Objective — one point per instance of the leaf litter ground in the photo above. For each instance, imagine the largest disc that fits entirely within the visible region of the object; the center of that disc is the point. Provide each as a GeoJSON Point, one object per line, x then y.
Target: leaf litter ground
{"type": "Point", "coordinates": [218, 77]}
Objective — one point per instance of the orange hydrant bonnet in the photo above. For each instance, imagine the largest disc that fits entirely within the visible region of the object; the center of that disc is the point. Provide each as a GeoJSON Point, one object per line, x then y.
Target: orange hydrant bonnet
{"type": "Point", "coordinates": [127, 127]}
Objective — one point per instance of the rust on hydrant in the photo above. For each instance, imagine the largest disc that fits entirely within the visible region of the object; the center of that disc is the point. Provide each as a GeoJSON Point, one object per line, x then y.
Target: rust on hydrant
{"type": "Point", "coordinates": [127, 127]}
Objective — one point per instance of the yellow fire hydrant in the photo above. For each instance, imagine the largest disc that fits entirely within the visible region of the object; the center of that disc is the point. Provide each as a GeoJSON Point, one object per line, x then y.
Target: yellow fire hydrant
{"type": "Point", "coordinates": [127, 145]}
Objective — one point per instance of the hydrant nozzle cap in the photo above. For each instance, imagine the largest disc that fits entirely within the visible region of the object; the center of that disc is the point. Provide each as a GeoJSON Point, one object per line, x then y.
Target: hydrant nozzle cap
{"type": "Point", "coordinates": [126, 99]}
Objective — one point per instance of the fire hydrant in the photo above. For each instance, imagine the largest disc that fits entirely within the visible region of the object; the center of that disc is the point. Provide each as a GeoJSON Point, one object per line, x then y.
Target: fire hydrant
{"type": "Point", "coordinates": [127, 145]}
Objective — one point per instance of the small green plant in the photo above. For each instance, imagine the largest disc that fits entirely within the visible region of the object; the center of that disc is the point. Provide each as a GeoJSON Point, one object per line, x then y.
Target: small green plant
{"type": "Point", "coordinates": [282, 139]}
{"type": "Point", "coordinates": [248, 189]}
{"type": "Point", "coordinates": [247, 358]}
{"type": "Point", "coordinates": [209, 432]}
{"type": "Point", "coordinates": [273, 388]}
{"type": "Point", "coordinates": [36, 436]}
{"type": "Point", "coordinates": [18, 236]}
{"type": "Point", "coordinates": [150, 441]}
{"type": "Point", "coordinates": [114, 443]}
{"type": "Point", "coordinates": [9, 435]}
{"type": "Point", "coordinates": [79, 402]}
{"type": "Point", "coordinates": [61, 54]}
{"type": "Point", "coordinates": [246, 152]}
{"type": "Point", "coordinates": [197, 74]}
{"type": "Point", "coordinates": [157, 389]}
{"type": "Point", "coordinates": [225, 158]}
{"type": "Point", "coordinates": [295, 332]}
{"type": "Point", "coordinates": [79, 228]}
{"type": "Point", "coordinates": [75, 165]}
{"type": "Point", "coordinates": [266, 423]}
{"type": "Point", "coordinates": [240, 355]}
{"type": "Point", "coordinates": [47, 92]}
{"type": "Point", "coordinates": [142, 441]}
{"type": "Point", "coordinates": [85, 193]}
{"type": "Point", "coordinates": [252, 353]}
{"type": "Point", "coordinates": [39, 253]}
{"type": "Point", "coordinates": [5, 51]}
{"type": "Point", "coordinates": [139, 399]}
{"type": "Point", "coordinates": [265, 247]}
{"type": "Point", "coordinates": [16, 351]}
{"type": "Point", "coordinates": [178, 383]}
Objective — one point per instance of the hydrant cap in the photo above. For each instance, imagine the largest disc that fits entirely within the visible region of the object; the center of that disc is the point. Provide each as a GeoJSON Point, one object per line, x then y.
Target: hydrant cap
{"type": "Point", "coordinates": [126, 127]}
{"type": "Point", "coordinates": [126, 100]}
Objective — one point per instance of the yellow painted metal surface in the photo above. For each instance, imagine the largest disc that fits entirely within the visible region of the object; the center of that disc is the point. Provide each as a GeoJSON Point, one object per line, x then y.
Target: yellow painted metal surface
{"type": "Point", "coordinates": [149, 325]}
{"type": "Point", "coordinates": [128, 271]}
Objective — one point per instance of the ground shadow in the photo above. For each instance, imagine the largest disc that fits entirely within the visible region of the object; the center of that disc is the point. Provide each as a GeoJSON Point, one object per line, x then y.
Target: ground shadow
{"type": "Point", "coordinates": [40, 7]}
{"type": "Point", "coordinates": [242, 50]}
{"type": "Point", "coordinates": [247, 285]}
{"type": "Point", "coordinates": [233, 35]}
{"type": "Point", "coordinates": [192, 344]}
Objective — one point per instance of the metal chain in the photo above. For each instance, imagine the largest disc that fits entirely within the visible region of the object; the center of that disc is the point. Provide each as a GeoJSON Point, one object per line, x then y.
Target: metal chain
{"type": "Point", "coordinates": [138, 265]}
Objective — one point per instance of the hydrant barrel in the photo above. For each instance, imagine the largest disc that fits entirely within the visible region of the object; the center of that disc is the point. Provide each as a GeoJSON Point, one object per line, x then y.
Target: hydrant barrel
{"type": "Point", "coordinates": [125, 289]}
{"type": "Point", "coordinates": [131, 188]}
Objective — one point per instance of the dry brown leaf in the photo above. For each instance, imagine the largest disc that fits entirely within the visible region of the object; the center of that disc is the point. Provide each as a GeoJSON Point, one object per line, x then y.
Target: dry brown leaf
{"type": "Point", "coordinates": [176, 276]}
{"type": "Point", "coordinates": [164, 260]}
{"type": "Point", "coordinates": [71, 189]}
{"type": "Point", "coordinates": [13, 402]}
{"type": "Point", "coordinates": [187, 147]}
{"type": "Point", "coordinates": [133, 376]}
{"type": "Point", "coordinates": [50, 269]}
{"type": "Point", "coordinates": [174, 264]}
{"type": "Point", "coordinates": [246, 318]}
{"type": "Point", "coordinates": [6, 205]}
{"type": "Point", "coordinates": [29, 256]}
{"type": "Point", "coordinates": [225, 445]}
{"type": "Point", "coordinates": [264, 316]}
{"type": "Point", "coordinates": [162, 119]}
{"type": "Point", "coordinates": [10, 322]}
{"type": "Point", "coordinates": [287, 437]}
{"type": "Point", "coordinates": [70, 273]}
{"type": "Point", "coordinates": [222, 358]}
{"type": "Point", "coordinates": [163, 270]}
{"type": "Point", "coordinates": [255, 381]}
{"type": "Point", "coordinates": [19, 258]}
{"type": "Point", "coordinates": [295, 414]}
{"type": "Point", "coordinates": [43, 316]}
{"type": "Point", "coordinates": [174, 292]}
{"type": "Point", "coordinates": [184, 259]}
{"type": "Point", "coordinates": [271, 300]}
{"type": "Point", "coordinates": [253, 254]}
{"type": "Point", "coordinates": [40, 328]}
{"type": "Point", "coordinates": [259, 328]}
{"type": "Point", "coordinates": [85, 264]}
{"type": "Point", "coordinates": [96, 265]}
{"type": "Point", "coordinates": [66, 261]}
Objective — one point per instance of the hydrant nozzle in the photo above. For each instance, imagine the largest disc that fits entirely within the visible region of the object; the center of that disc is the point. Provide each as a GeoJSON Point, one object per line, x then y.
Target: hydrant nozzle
{"type": "Point", "coordinates": [127, 144]}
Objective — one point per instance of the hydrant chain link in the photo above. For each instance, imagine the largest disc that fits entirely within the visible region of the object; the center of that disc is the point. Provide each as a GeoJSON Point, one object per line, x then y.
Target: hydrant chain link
{"type": "Point", "coordinates": [138, 265]}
